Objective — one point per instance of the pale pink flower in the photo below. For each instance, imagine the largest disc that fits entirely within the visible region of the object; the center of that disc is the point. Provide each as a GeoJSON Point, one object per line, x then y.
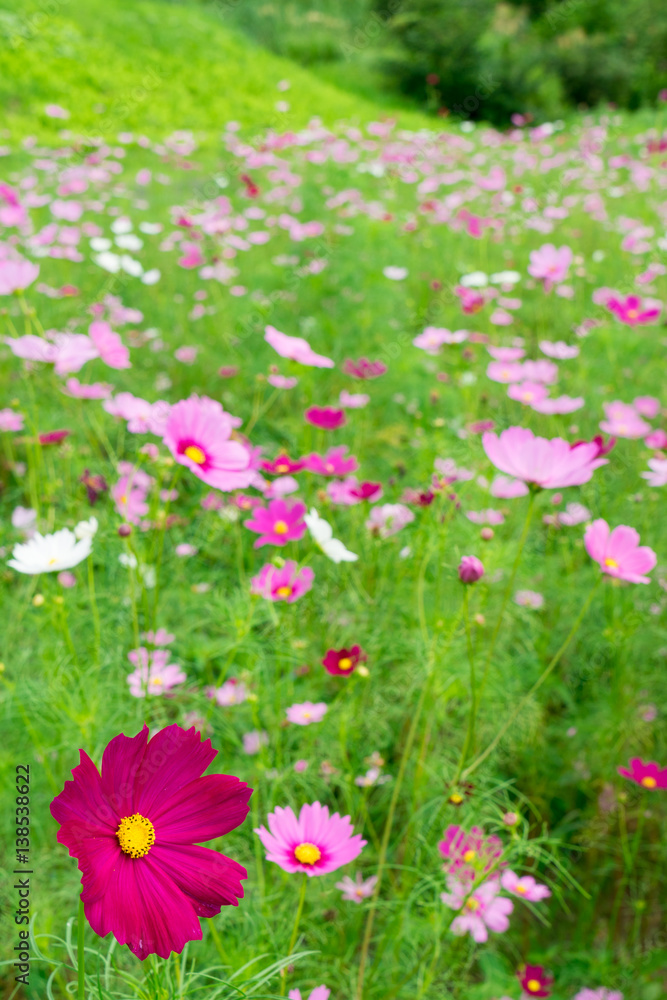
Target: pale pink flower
{"type": "Point", "coordinates": [159, 638]}
{"type": "Point", "coordinates": [281, 487]}
{"type": "Point", "coordinates": [142, 417]}
{"type": "Point", "coordinates": [94, 390]}
{"type": "Point", "coordinates": [185, 549]}
{"type": "Point", "coordinates": [598, 994]}
{"type": "Point", "coordinates": [433, 337]}
{"type": "Point", "coordinates": [658, 472]}
{"type": "Point", "coordinates": [550, 264]}
{"type": "Point", "coordinates": [540, 371]}
{"type": "Point", "coordinates": [186, 355]}
{"type": "Point", "coordinates": [656, 439]}
{"type": "Point", "coordinates": [295, 348]}
{"type": "Point", "coordinates": [505, 372]}
{"type": "Point", "coordinates": [482, 910]}
{"type": "Point", "coordinates": [109, 345]}
{"type": "Point", "coordinates": [312, 842]}
{"type": "Point", "coordinates": [574, 513]}
{"type": "Point", "coordinates": [319, 993]}
{"type": "Point", "coordinates": [486, 516]}
{"type": "Point", "coordinates": [153, 675]}
{"type": "Point", "coordinates": [254, 741]}
{"type": "Point", "coordinates": [559, 349]}
{"type": "Point", "coordinates": [528, 393]}
{"type": "Point", "coordinates": [529, 599]}
{"type": "Point", "coordinates": [622, 420]}
{"type": "Point", "coordinates": [354, 892]}
{"type": "Point", "coordinates": [389, 519]}
{"type": "Point", "coordinates": [524, 886]}
{"type": "Point", "coordinates": [288, 583]}
{"type": "Point", "coordinates": [618, 551]}
{"type": "Point", "coordinates": [561, 404]}
{"type": "Point", "coordinates": [11, 420]}
{"type": "Point", "coordinates": [282, 381]}
{"type": "Point", "coordinates": [647, 406]}
{"type": "Point", "coordinates": [507, 489]}
{"type": "Point", "coordinates": [232, 692]}
{"type": "Point", "coordinates": [130, 499]}
{"type": "Point", "coordinates": [32, 348]}
{"type": "Point", "coordinates": [16, 275]}
{"type": "Point", "coordinates": [452, 472]}
{"type": "Point", "coordinates": [306, 713]}
{"type": "Point", "coordinates": [548, 463]}
{"type": "Point", "coordinates": [395, 273]}
{"type": "Point", "coordinates": [505, 354]}
{"type": "Point", "coordinates": [353, 400]}
{"type": "Point", "coordinates": [197, 434]}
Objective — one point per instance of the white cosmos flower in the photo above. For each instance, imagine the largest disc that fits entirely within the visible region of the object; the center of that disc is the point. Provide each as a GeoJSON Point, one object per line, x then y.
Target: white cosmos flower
{"type": "Point", "coordinates": [151, 277]}
{"type": "Point", "coordinates": [86, 529]}
{"type": "Point", "coordinates": [322, 534]}
{"type": "Point", "coordinates": [50, 553]}
{"type": "Point", "coordinates": [476, 279]}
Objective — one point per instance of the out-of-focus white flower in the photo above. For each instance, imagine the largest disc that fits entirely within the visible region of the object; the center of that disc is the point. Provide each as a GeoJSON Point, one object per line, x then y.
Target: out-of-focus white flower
{"type": "Point", "coordinates": [86, 529]}
{"type": "Point", "coordinates": [322, 534]}
{"type": "Point", "coordinates": [50, 553]}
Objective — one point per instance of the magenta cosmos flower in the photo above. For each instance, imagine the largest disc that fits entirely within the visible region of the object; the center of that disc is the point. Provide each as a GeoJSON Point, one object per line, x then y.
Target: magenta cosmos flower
{"type": "Point", "coordinates": [134, 831]}
{"type": "Point", "coordinates": [632, 311]}
{"type": "Point", "coordinates": [336, 462]}
{"type": "Point", "coordinates": [618, 552]}
{"type": "Point", "coordinates": [312, 842]}
{"type": "Point", "coordinates": [549, 464]}
{"type": "Point", "coordinates": [325, 417]}
{"type": "Point", "coordinates": [343, 661]}
{"type": "Point", "coordinates": [468, 854]}
{"type": "Point", "coordinates": [197, 434]}
{"type": "Point", "coordinates": [288, 583]}
{"type": "Point", "coordinates": [279, 523]}
{"type": "Point", "coordinates": [363, 368]}
{"type": "Point", "coordinates": [482, 910]}
{"type": "Point", "coordinates": [535, 981]}
{"type": "Point", "coordinates": [649, 775]}
{"type": "Point", "coordinates": [471, 569]}
{"type": "Point", "coordinates": [283, 465]}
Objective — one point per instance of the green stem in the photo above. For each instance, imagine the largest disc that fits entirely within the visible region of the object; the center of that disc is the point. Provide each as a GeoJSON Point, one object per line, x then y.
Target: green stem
{"type": "Point", "coordinates": [538, 684]}
{"type": "Point", "coordinates": [470, 734]}
{"type": "Point", "coordinates": [508, 590]}
{"type": "Point", "coordinates": [95, 611]}
{"type": "Point", "coordinates": [81, 970]}
{"type": "Point", "coordinates": [295, 929]}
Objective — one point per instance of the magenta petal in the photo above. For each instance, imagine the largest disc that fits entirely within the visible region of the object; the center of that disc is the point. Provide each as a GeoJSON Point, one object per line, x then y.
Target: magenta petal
{"type": "Point", "coordinates": [84, 799]}
{"type": "Point", "coordinates": [208, 878]}
{"type": "Point", "coordinates": [205, 808]}
{"type": "Point", "coordinates": [97, 856]}
{"type": "Point", "coordinates": [173, 758]}
{"type": "Point", "coordinates": [121, 763]}
{"type": "Point", "coordinates": [145, 911]}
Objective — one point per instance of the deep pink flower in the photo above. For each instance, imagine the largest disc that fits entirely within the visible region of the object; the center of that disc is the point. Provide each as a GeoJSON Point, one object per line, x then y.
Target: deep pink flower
{"type": "Point", "coordinates": [288, 583]}
{"type": "Point", "coordinates": [53, 437]}
{"type": "Point", "coordinates": [535, 981]}
{"type": "Point", "coordinates": [470, 569]}
{"type": "Point", "coordinates": [656, 439]}
{"type": "Point", "coordinates": [618, 552]}
{"type": "Point", "coordinates": [550, 264]}
{"type": "Point", "coordinates": [325, 417]}
{"type": "Point", "coordinates": [279, 523]}
{"type": "Point", "coordinates": [649, 775]}
{"type": "Point", "coordinates": [363, 368]}
{"type": "Point", "coordinates": [306, 713]}
{"type": "Point", "coordinates": [282, 465]}
{"type": "Point", "coordinates": [343, 661]}
{"type": "Point", "coordinates": [350, 491]}
{"type": "Point", "coordinates": [524, 886]}
{"type": "Point", "coordinates": [469, 854]}
{"type": "Point", "coordinates": [312, 842]}
{"type": "Point", "coordinates": [198, 433]}
{"type": "Point", "coordinates": [336, 462]}
{"type": "Point", "coordinates": [549, 464]}
{"type": "Point", "coordinates": [482, 910]}
{"type": "Point", "coordinates": [632, 311]}
{"type": "Point", "coordinates": [295, 348]}
{"type": "Point", "coordinates": [135, 829]}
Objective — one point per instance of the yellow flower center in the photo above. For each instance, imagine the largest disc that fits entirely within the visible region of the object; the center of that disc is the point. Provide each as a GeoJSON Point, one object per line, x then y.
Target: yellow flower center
{"type": "Point", "coordinates": [282, 468]}
{"type": "Point", "coordinates": [156, 680]}
{"type": "Point", "coordinates": [53, 561]}
{"type": "Point", "coordinates": [611, 563]}
{"type": "Point", "coordinates": [456, 799]}
{"type": "Point", "coordinates": [345, 663]}
{"type": "Point", "coordinates": [533, 985]}
{"type": "Point", "coordinates": [283, 591]}
{"type": "Point", "coordinates": [521, 888]}
{"type": "Point", "coordinates": [648, 782]}
{"type": "Point", "coordinates": [469, 856]}
{"type": "Point", "coordinates": [632, 313]}
{"type": "Point", "coordinates": [123, 499]}
{"type": "Point", "coordinates": [473, 904]}
{"type": "Point", "coordinates": [195, 454]}
{"type": "Point", "coordinates": [280, 528]}
{"type": "Point", "coordinates": [307, 853]}
{"type": "Point", "coordinates": [136, 835]}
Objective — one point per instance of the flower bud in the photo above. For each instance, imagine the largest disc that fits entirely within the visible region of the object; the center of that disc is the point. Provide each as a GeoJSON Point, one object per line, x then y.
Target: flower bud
{"type": "Point", "coordinates": [486, 534]}
{"type": "Point", "coordinates": [470, 569]}
{"type": "Point", "coordinates": [125, 530]}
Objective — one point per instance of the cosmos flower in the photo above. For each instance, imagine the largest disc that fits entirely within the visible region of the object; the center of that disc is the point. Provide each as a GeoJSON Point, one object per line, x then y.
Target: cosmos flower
{"type": "Point", "coordinates": [483, 910]}
{"type": "Point", "coordinates": [295, 348]}
{"type": "Point", "coordinates": [657, 476]}
{"type": "Point", "coordinates": [548, 463]}
{"type": "Point", "coordinates": [279, 523]}
{"type": "Point", "coordinates": [288, 583]}
{"type": "Point", "coordinates": [389, 519]}
{"type": "Point", "coordinates": [306, 713]}
{"type": "Point", "coordinates": [282, 465]}
{"type": "Point", "coordinates": [153, 674]}
{"type": "Point", "coordinates": [197, 434]}
{"type": "Point", "coordinates": [16, 275]}
{"type": "Point", "coordinates": [559, 349]}
{"type": "Point", "coordinates": [599, 994]}
{"type": "Point", "coordinates": [535, 981]}
{"type": "Point", "coordinates": [529, 599]}
{"type": "Point", "coordinates": [363, 368]}
{"type": "Point", "coordinates": [507, 489]}
{"type": "Point", "coordinates": [335, 462]}
{"type": "Point", "coordinates": [468, 854]}
{"type": "Point", "coordinates": [343, 661]}
{"type": "Point", "coordinates": [649, 775]}
{"type": "Point", "coordinates": [523, 886]}
{"type": "Point", "coordinates": [354, 892]}
{"type": "Point", "coordinates": [50, 553]}
{"type": "Point", "coordinates": [10, 420]}
{"type": "Point", "coordinates": [470, 569]}
{"type": "Point", "coordinates": [622, 420]}
{"type": "Point", "coordinates": [618, 551]}
{"type": "Point", "coordinates": [319, 993]}
{"type": "Point", "coordinates": [550, 264]}
{"type": "Point", "coordinates": [312, 842]}
{"type": "Point", "coordinates": [134, 831]}
{"type": "Point", "coordinates": [632, 311]}
{"type": "Point", "coordinates": [325, 417]}
{"type": "Point", "coordinates": [232, 692]}
{"type": "Point", "coordinates": [353, 400]}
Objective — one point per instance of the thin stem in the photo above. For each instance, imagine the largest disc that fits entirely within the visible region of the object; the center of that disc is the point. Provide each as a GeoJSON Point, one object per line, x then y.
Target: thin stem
{"type": "Point", "coordinates": [94, 609]}
{"type": "Point", "coordinates": [470, 733]}
{"type": "Point", "coordinates": [295, 929]}
{"type": "Point", "coordinates": [216, 939]}
{"type": "Point", "coordinates": [508, 591]}
{"type": "Point", "coordinates": [538, 684]}
{"type": "Point", "coordinates": [81, 970]}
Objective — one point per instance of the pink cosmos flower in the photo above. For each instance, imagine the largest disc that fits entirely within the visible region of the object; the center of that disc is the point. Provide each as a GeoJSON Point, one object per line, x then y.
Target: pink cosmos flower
{"type": "Point", "coordinates": [280, 487]}
{"type": "Point", "coordinates": [15, 275]}
{"type": "Point", "coordinates": [306, 713]}
{"type": "Point", "coordinates": [549, 464]}
{"type": "Point", "coordinates": [574, 513]}
{"type": "Point", "coordinates": [198, 433]}
{"type": "Point", "coordinates": [184, 549]}
{"type": "Point", "coordinates": [159, 638]}
{"type": "Point", "coordinates": [353, 400]}
{"type": "Point", "coordinates": [469, 854]}
{"type": "Point", "coordinates": [282, 465]}
{"type": "Point", "coordinates": [561, 404]}
{"type": "Point", "coordinates": [10, 420]}
{"type": "Point", "coordinates": [658, 472]}
{"type": "Point", "coordinates": [142, 417]}
{"type": "Point", "coordinates": [540, 371]}
{"type": "Point", "coordinates": [350, 491]}
{"type": "Point", "coordinates": [279, 523]}
{"type": "Point", "coordinates": [232, 692]}
{"type": "Point", "coordinates": [505, 354]}
{"type": "Point", "coordinates": [389, 519]}
{"type": "Point", "coordinates": [649, 775]}
{"type": "Point", "coordinates": [623, 421]}
{"type": "Point", "coordinates": [153, 675]}
{"type": "Point", "coordinates": [656, 439]}
{"type": "Point", "coordinates": [32, 348]}
{"type": "Point", "coordinates": [471, 569]}
{"type": "Point", "coordinates": [363, 368]}
{"type": "Point", "coordinates": [282, 381]}
{"type": "Point", "coordinates": [134, 832]}
{"type": "Point", "coordinates": [599, 994]}
{"type": "Point", "coordinates": [647, 406]}
{"type": "Point", "coordinates": [312, 842]}
{"type": "Point", "coordinates": [524, 886]}
{"type": "Point", "coordinates": [618, 552]}
{"type": "Point", "coordinates": [535, 981]}
{"type": "Point", "coordinates": [632, 311]}
{"type": "Point", "coordinates": [288, 583]}
{"type": "Point", "coordinates": [295, 348]}
{"type": "Point", "coordinates": [325, 417]}
{"type": "Point", "coordinates": [319, 993]}
{"type": "Point", "coordinates": [483, 910]}
{"type": "Point", "coordinates": [109, 346]}
{"type": "Point", "coordinates": [433, 337]}
{"type": "Point", "coordinates": [95, 390]}
{"type": "Point", "coordinates": [53, 437]}
{"type": "Point", "coordinates": [528, 393]}
{"type": "Point", "coordinates": [505, 372]}
{"type": "Point", "coordinates": [529, 599]}
{"type": "Point", "coordinates": [354, 892]}
{"type": "Point", "coordinates": [130, 499]}
{"type": "Point", "coordinates": [472, 300]}
{"type": "Point", "coordinates": [489, 516]}
{"type": "Point", "coordinates": [507, 489]}
{"type": "Point", "coordinates": [550, 264]}
{"type": "Point", "coordinates": [254, 741]}
{"type": "Point", "coordinates": [559, 349]}
{"type": "Point", "coordinates": [335, 462]}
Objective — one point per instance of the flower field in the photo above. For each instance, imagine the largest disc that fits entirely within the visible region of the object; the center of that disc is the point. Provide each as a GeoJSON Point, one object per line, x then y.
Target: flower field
{"type": "Point", "coordinates": [332, 467]}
